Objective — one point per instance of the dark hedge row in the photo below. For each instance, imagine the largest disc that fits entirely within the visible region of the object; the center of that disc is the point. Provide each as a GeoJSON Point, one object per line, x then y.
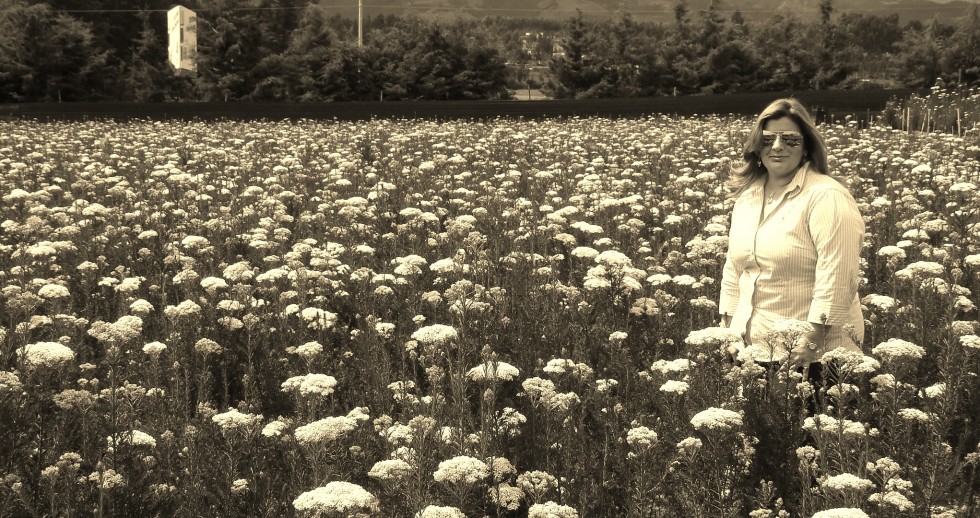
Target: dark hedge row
{"type": "Point", "coordinates": [826, 105]}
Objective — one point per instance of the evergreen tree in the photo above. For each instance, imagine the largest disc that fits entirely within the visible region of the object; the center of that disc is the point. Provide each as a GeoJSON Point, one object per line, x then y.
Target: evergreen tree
{"type": "Point", "coordinates": [50, 56]}
{"type": "Point", "coordinates": [228, 52]}
{"type": "Point", "coordinates": [733, 67]}
{"type": "Point", "coordinates": [349, 75]}
{"type": "Point", "coordinates": [921, 56]}
{"type": "Point", "coordinates": [712, 51]}
{"type": "Point", "coordinates": [625, 55]}
{"type": "Point", "coordinates": [962, 60]}
{"type": "Point", "coordinates": [682, 53]}
{"type": "Point", "coordinates": [575, 71]}
{"type": "Point", "coordinates": [147, 73]}
{"type": "Point", "coordinates": [790, 65]}
{"type": "Point", "coordinates": [832, 58]}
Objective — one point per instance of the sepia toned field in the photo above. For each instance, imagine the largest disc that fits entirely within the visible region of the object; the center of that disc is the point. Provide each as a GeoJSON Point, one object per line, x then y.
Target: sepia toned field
{"type": "Point", "coordinates": [472, 318]}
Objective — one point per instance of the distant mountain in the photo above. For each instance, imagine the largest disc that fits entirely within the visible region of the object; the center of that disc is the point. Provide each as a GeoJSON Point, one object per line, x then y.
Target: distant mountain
{"type": "Point", "coordinates": [653, 10]}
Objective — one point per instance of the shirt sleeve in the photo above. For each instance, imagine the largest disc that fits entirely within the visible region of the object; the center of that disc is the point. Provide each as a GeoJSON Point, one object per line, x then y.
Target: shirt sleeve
{"type": "Point", "coordinates": [729, 287]}
{"type": "Point", "coordinates": [837, 231]}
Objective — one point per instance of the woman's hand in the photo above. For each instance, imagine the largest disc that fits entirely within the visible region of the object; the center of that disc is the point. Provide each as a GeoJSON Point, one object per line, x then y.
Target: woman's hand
{"type": "Point", "coordinates": [731, 352]}
{"type": "Point", "coordinates": [810, 348]}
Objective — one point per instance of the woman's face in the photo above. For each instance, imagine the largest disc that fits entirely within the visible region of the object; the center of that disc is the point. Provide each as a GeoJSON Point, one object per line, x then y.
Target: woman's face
{"type": "Point", "coordinates": [782, 147]}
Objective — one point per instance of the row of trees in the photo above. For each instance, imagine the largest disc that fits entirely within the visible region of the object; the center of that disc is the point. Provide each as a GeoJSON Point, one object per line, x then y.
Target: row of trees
{"type": "Point", "coordinates": [290, 50]}
{"type": "Point", "coordinates": [273, 50]}
{"type": "Point", "coordinates": [705, 52]}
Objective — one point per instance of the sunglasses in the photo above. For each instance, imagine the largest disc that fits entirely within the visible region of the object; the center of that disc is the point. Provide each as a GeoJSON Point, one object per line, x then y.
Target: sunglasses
{"type": "Point", "coordinates": [788, 138]}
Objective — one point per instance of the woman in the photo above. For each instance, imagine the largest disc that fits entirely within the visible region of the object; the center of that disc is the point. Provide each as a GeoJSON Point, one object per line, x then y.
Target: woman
{"type": "Point", "coordinates": [794, 245]}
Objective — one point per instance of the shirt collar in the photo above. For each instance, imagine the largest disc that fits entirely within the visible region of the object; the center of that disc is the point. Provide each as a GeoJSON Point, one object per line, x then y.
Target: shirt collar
{"type": "Point", "coordinates": [795, 186]}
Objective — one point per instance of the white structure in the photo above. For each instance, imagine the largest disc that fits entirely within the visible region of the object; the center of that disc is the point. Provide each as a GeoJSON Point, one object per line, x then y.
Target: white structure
{"type": "Point", "coordinates": [182, 27]}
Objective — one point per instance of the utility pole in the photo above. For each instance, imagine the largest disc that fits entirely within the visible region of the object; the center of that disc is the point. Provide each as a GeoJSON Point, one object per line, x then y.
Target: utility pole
{"type": "Point", "coordinates": [360, 23]}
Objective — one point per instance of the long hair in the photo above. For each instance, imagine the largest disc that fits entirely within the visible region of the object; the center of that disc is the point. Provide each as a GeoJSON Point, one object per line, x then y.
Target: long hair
{"type": "Point", "coordinates": [814, 149]}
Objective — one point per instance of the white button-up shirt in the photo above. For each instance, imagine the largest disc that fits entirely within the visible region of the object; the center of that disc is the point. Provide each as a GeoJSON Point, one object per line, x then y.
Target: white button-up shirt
{"type": "Point", "coordinates": [801, 261]}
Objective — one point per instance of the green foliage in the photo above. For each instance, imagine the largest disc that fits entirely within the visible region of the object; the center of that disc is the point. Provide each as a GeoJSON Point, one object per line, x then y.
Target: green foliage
{"type": "Point", "coordinates": [49, 56]}
{"type": "Point", "coordinates": [210, 279]}
{"type": "Point", "coordinates": [289, 50]}
{"type": "Point", "coordinates": [952, 110]}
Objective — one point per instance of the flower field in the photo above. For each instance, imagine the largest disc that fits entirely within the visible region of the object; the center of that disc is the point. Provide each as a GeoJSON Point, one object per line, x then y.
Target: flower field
{"type": "Point", "coordinates": [439, 319]}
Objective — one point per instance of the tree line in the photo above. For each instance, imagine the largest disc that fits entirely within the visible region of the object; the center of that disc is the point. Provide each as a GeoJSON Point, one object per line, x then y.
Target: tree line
{"type": "Point", "coordinates": [290, 50]}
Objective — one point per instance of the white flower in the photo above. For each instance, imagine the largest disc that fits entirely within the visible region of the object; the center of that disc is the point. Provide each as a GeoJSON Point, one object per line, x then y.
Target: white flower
{"type": "Point", "coordinates": [914, 415]}
{"type": "Point", "coordinates": [538, 388]}
{"type": "Point", "coordinates": [921, 270]}
{"type": "Point", "coordinates": [537, 483]}
{"type": "Point", "coordinates": [934, 391]}
{"type": "Point", "coordinates": [207, 346]}
{"type": "Point", "coordinates": [506, 496]}
{"type": "Point", "coordinates": [551, 510]}
{"type": "Point", "coordinates": [9, 383]}
{"type": "Point", "coordinates": [828, 425]}
{"type": "Point", "coordinates": [668, 367]}
{"type": "Point", "coordinates": [213, 284]}
{"type": "Point", "coordinates": [239, 486]}
{"type": "Point", "coordinates": [275, 428]}
{"type": "Point", "coordinates": [510, 421]}
{"type": "Point", "coordinates": [846, 482]}
{"type": "Point", "coordinates": [193, 242]}
{"type": "Point", "coordinates": [233, 420]}
{"type": "Point", "coordinates": [587, 228]}
{"type": "Point", "coordinates": [716, 419]}
{"type": "Point", "coordinates": [45, 354]}
{"type": "Point", "coordinates": [891, 251]}
{"type": "Point", "coordinates": [238, 272]}
{"type": "Point", "coordinates": [843, 391]}
{"type": "Point", "coordinates": [108, 479]}
{"type": "Point", "coordinates": [887, 467]}
{"type": "Point", "coordinates": [325, 430]}
{"type": "Point", "coordinates": [893, 499]}
{"type": "Point", "coordinates": [566, 366]}
{"type": "Point", "coordinates": [851, 361]}
{"type": "Point", "coordinates": [186, 309]}
{"type": "Point", "coordinates": [309, 350]}
{"type": "Point", "coordinates": [392, 469]}
{"type": "Point", "coordinates": [399, 433]}
{"type": "Point", "coordinates": [689, 446]}
{"type": "Point", "coordinates": [789, 332]}
{"type": "Point", "coordinates": [437, 511]}
{"type": "Point", "coordinates": [713, 337]}
{"type": "Point", "coordinates": [970, 341]}
{"type": "Point", "coordinates": [605, 385]}
{"type": "Point", "coordinates": [674, 387]}
{"type": "Point", "coordinates": [319, 385]}
{"type": "Point", "coordinates": [500, 371]}
{"type": "Point", "coordinates": [133, 438]}
{"type": "Point", "coordinates": [141, 307]}
{"type": "Point", "coordinates": [684, 280]}
{"type": "Point", "coordinates": [435, 335]}
{"type": "Point", "coordinates": [501, 468]}
{"type": "Point", "coordinates": [613, 259]}
{"type": "Point", "coordinates": [641, 437]}
{"type": "Point", "coordinates": [561, 402]}
{"type": "Point", "coordinates": [841, 512]}
{"type": "Point", "coordinates": [336, 497]}
{"type": "Point", "coordinates": [53, 291]}
{"type": "Point", "coordinates": [898, 350]}
{"type": "Point", "coordinates": [880, 302]}
{"type": "Point", "coordinates": [462, 470]}
{"type": "Point", "coordinates": [318, 319]}
{"type": "Point", "coordinates": [618, 336]}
